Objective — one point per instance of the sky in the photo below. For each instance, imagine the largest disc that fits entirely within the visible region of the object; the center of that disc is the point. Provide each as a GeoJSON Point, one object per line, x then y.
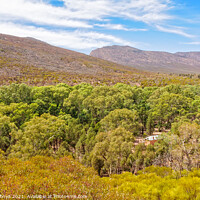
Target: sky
{"type": "Point", "coordinates": [84, 25]}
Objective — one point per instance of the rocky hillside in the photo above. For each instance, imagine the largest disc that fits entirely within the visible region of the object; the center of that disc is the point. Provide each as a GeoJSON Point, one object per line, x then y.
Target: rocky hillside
{"type": "Point", "coordinates": [30, 61]}
{"type": "Point", "coordinates": [42, 55]}
{"type": "Point", "coordinates": [28, 58]}
{"type": "Point", "coordinates": [151, 60]}
{"type": "Point", "coordinates": [192, 55]}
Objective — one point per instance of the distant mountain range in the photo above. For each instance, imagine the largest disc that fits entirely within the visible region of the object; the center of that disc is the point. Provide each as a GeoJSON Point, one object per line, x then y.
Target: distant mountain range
{"type": "Point", "coordinates": [30, 51]}
{"type": "Point", "coordinates": [35, 62]}
{"type": "Point", "coordinates": [31, 61]}
{"type": "Point", "coordinates": [181, 62]}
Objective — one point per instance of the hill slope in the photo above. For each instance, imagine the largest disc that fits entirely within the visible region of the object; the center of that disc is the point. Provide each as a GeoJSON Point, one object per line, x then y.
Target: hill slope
{"type": "Point", "coordinates": [22, 58]}
{"type": "Point", "coordinates": [30, 61]}
{"type": "Point", "coordinates": [192, 55]}
{"type": "Point", "coordinates": [151, 60]}
{"type": "Point", "coordinates": [42, 55]}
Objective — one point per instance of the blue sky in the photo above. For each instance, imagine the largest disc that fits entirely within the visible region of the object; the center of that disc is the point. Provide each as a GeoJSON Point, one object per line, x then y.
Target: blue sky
{"type": "Point", "coordinates": [83, 25]}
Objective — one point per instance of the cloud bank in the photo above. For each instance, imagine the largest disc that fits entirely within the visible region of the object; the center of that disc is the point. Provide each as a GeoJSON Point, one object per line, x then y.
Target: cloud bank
{"type": "Point", "coordinates": [73, 24]}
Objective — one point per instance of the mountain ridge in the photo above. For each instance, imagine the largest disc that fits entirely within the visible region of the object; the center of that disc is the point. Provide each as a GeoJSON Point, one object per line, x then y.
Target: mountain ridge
{"type": "Point", "coordinates": [34, 62]}
{"type": "Point", "coordinates": [29, 60]}
{"type": "Point", "coordinates": [156, 61]}
{"type": "Point", "coordinates": [41, 54]}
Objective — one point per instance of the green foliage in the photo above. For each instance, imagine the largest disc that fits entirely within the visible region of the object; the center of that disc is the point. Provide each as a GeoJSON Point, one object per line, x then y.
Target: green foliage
{"type": "Point", "coordinates": [19, 113]}
{"type": "Point", "coordinates": [48, 177]}
{"type": "Point", "coordinates": [74, 103]}
{"type": "Point", "coordinates": [96, 124]}
{"type": "Point", "coordinates": [6, 129]}
{"type": "Point", "coordinates": [185, 146]}
{"type": "Point", "coordinates": [112, 150]}
{"type": "Point", "coordinates": [101, 127]}
{"type": "Point", "coordinates": [74, 129]}
{"type": "Point", "coordinates": [121, 117]}
{"type": "Point", "coordinates": [15, 94]}
{"type": "Point", "coordinates": [167, 107]}
{"type": "Point", "coordinates": [45, 135]}
{"type": "Point", "coordinates": [156, 183]}
{"type": "Point", "coordinates": [105, 99]}
{"type": "Point", "coordinates": [50, 98]}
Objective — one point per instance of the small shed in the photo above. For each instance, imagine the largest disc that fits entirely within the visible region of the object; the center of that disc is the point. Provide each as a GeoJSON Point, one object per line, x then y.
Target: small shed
{"type": "Point", "coordinates": [151, 139]}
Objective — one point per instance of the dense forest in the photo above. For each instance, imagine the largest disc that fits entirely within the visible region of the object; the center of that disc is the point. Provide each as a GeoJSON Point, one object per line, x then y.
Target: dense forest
{"type": "Point", "coordinates": [43, 129]}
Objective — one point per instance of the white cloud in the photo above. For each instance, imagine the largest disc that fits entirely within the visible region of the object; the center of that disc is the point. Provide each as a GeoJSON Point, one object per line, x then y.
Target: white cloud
{"type": "Point", "coordinates": [148, 11]}
{"type": "Point", "coordinates": [39, 13]}
{"type": "Point", "coordinates": [119, 27]}
{"type": "Point", "coordinates": [175, 30]}
{"type": "Point", "coordinates": [82, 16]}
{"type": "Point", "coordinates": [192, 43]}
{"type": "Point", "coordinates": [74, 40]}
{"type": "Point", "coordinates": [78, 13]}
